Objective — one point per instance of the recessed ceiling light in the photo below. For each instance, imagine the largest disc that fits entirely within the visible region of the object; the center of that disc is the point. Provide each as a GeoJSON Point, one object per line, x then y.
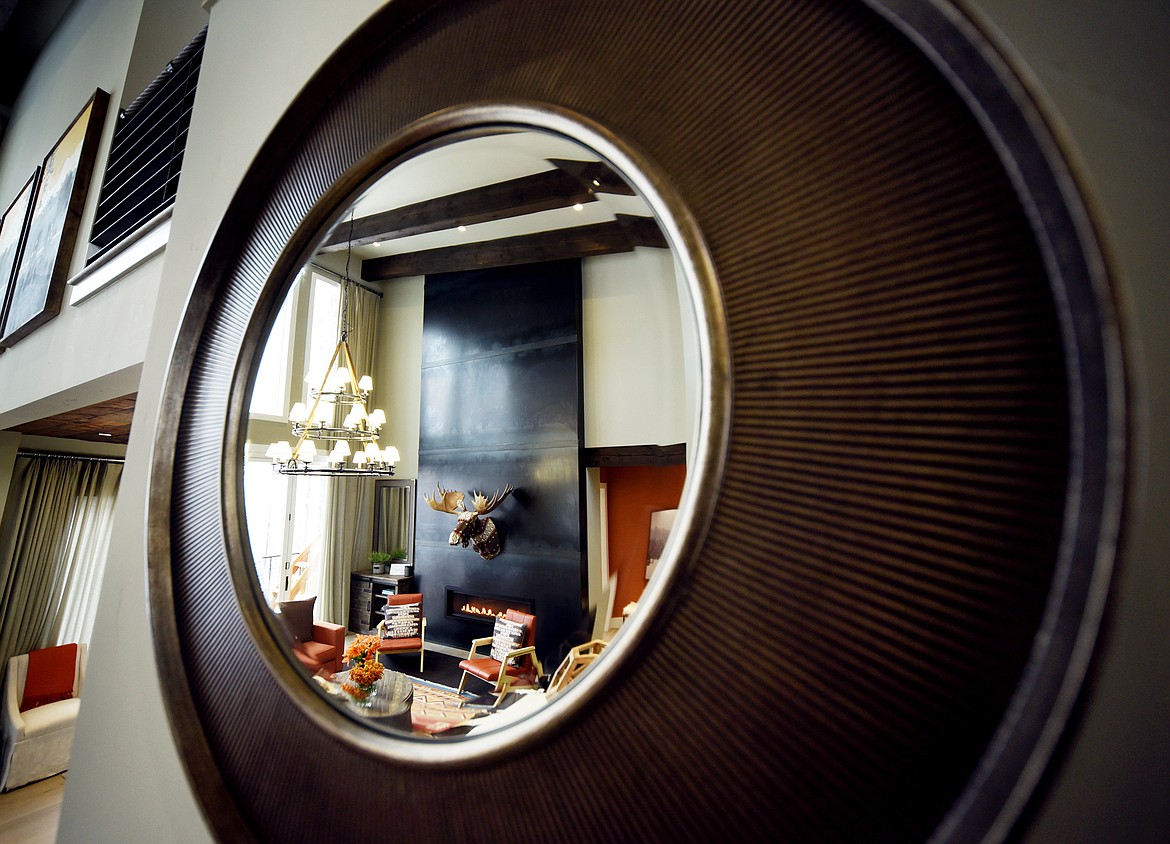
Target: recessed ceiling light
{"type": "Point", "coordinates": [596, 183]}
{"type": "Point", "coordinates": [463, 228]}
{"type": "Point", "coordinates": [104, 434]}
{"type": "Point", "coordinates": [578, 207]}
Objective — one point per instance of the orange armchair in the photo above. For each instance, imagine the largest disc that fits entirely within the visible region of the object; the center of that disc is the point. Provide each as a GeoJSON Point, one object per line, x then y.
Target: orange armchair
{"type": "Point", "coordinates": [317, 644]}
{"type": "Point", "coordinates": [512, 663]}
{"type": "Point", "coordinates": [403, 630]}
{"type": "Point", "coordinates": [322, 652]}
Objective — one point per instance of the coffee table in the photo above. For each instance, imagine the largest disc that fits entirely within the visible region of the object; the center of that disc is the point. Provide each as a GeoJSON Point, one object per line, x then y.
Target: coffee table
{"type": "Point", "coordinates": [391, 702]}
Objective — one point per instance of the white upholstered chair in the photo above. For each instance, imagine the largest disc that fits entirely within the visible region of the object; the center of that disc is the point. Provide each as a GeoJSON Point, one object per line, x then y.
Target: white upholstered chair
{"type": "Point", "coordinates": [38, 741]}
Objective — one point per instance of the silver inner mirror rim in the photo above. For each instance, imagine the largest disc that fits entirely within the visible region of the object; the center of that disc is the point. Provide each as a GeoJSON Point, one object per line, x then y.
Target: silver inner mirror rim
{"type": "Point", "coordinates": [705, 467]}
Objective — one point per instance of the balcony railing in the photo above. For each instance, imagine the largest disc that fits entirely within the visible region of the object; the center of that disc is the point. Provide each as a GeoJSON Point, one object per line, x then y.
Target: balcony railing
{"type": "Point", "coordinates": [146, 155]}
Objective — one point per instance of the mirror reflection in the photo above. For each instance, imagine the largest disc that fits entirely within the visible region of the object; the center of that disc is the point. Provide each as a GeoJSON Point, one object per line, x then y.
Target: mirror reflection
{"type": "Point", "coordinates": [393, 527]}
{"type": "Point", "coordinates": [469, 433]}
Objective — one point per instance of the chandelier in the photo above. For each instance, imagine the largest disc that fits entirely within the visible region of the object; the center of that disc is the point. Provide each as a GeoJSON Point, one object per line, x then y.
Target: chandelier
{"type": "Point", "coordinates": [348, 448]}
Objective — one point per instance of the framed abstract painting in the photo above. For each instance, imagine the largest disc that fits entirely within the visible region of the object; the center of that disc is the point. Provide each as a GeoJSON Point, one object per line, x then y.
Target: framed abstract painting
{"type": "Point", "coordinates": [12, 227]}
{"type": "Point", "coordinates": [38, 282]}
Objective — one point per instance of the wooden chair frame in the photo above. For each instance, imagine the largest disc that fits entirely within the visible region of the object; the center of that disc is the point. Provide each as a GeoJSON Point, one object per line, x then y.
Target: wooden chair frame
{"type": "Point", "coordinates": [505, 682]}
{"type": "Point", "coordinates": [422, 648]}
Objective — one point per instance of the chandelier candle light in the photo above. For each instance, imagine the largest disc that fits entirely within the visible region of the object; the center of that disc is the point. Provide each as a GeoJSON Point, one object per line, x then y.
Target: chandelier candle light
{"type": "Point", "coordinates": [355, 450]}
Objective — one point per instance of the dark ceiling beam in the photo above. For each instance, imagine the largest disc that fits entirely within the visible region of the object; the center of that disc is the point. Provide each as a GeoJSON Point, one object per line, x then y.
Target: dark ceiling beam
{"type": "Point", "coordinates": [594, 175]}
{"type": "Point", "coordinates": [637, 455]}
{"type": "Point", "coordinates": [621, 235]}
{"type": "Point", "coordinates": [571, 182]}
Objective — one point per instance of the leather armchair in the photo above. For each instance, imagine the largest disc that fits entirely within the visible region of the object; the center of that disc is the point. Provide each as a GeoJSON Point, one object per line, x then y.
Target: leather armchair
{"type": "Point", "coordinates": [323, 652]}
{"type": "Point", "coordinates": [389, 642]}
{"type": "Point", "coordinates": [520, 667]}
{"type": "Point", "coordinates": [317, 644]}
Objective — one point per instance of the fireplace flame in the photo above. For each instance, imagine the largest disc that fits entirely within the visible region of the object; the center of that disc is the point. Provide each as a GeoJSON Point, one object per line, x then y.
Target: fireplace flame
{"type": "Point", "coordinates": [470, 609]}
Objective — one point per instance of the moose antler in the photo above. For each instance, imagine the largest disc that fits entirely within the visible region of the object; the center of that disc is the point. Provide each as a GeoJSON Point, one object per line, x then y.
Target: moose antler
{"type": "Point", "coordinates": [469, 527]}
{"type": "Point", "coordinates": [483, 506]}
{"type": "Point", "coordinates": [446, 501]}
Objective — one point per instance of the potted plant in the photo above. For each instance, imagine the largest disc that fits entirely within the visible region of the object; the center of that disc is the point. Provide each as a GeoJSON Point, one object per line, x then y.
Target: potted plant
{"type": "Point", "coordinates": [379, 560]}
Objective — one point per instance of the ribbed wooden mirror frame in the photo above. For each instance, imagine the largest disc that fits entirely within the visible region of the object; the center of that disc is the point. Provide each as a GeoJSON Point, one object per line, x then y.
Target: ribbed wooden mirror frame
{"type": "Point", "coordinates": [894, 606]}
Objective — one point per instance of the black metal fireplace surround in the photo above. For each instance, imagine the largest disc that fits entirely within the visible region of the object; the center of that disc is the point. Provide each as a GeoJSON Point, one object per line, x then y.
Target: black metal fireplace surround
{"type": "Point", "coordinates": [501, 399]}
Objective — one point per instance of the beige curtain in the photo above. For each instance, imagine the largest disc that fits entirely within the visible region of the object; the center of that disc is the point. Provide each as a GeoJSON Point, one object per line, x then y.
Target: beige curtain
{"type": "Point", "coordinates": [348, 534]}
{"type": "Point", "coordinates": [56, 534]}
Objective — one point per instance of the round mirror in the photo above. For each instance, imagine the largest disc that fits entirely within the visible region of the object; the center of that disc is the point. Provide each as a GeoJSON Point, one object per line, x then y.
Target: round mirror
{"type": "Point", "coordinates": [469, 433]}
{"type": "Point", "coordinates": [908, 505]}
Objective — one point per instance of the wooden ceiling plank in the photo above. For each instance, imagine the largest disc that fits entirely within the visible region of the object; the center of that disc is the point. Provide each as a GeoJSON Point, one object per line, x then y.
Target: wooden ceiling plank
{"type": "Point", "coordinates": [112, 417]}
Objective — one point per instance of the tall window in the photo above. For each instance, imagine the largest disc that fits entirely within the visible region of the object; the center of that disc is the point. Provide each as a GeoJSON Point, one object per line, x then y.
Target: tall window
{"type": "Point", "coordinates": [270, 396]}
{"type": "Point", "coordinates": [266, 510]}
{"type": "Point", "coordinates": [285, 514]}
{"type": "Point", "coordinates": [324, 303]}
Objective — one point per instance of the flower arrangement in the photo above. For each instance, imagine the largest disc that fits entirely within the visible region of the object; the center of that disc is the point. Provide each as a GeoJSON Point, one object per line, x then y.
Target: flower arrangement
{"type": "Point", "coordinates": [364, 668]}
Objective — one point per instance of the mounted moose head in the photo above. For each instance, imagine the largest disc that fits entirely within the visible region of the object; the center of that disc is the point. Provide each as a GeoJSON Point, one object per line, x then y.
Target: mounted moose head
{"type": "Point", "coordinates": [473, 525]}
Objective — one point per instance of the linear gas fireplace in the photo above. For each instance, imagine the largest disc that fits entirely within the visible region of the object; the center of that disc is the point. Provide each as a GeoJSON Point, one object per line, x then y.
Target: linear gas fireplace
{"type": "Point", "coordinates": [473, 606]}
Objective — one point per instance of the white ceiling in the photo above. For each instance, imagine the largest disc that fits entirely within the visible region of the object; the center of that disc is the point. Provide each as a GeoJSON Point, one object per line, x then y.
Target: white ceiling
{"type": "Point", "coordinates": [476, 162]}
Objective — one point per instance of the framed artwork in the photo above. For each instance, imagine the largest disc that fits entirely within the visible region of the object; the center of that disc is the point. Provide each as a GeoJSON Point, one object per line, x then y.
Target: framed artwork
{"type": "Point", "coordinates": [38, 283]}
{"type": "Point", "coordinates": [12, 228]}
{"type": "Point", "coordinates": [661, 522]}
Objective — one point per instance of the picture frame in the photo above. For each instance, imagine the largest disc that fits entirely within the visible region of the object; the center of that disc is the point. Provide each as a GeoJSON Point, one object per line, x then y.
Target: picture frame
{"type": "Point", "coordinates": [661, 523]}
{"type": "Point", "coordinates": [13, 225]}
{"type": "Point", "coordinates": [38, 282]}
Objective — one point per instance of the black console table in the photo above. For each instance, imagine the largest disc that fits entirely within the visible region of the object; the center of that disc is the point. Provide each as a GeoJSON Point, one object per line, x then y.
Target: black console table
{"type": "Point", "coordinates": [367, 597]}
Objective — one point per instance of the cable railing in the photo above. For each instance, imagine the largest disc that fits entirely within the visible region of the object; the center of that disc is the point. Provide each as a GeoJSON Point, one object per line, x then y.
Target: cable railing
{"type": "Point", "coordinates": [146, 155]}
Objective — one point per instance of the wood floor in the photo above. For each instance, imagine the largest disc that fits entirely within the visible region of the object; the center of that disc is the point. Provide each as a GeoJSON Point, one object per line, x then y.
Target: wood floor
{"type": "Point", "coordinates": [30, 814]}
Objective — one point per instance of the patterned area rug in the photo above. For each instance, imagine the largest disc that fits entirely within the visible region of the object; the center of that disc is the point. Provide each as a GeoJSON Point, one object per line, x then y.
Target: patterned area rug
{"type": "Point", "coordinates": [436, 708]}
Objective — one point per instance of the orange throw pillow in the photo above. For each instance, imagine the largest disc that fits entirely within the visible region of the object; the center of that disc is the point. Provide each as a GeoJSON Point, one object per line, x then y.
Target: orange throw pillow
{"type": "Point", "coordinates": [50, 676]}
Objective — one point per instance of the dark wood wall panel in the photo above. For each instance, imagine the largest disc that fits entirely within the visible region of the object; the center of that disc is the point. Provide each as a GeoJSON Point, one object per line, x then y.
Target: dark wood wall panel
{"type": "Point", "coordinates": [501, 403]}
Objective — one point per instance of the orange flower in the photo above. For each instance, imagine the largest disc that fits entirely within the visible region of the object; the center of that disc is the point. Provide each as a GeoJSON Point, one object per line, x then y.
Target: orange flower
{"type": "Point", "coordinates": [361, 648]}
{"type": "Point", "coordinates": [367, 673]}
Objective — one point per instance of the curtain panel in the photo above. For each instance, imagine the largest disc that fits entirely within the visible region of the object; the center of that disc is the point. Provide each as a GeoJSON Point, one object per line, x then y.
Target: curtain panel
{"type": "Point", "coordinates": [56, 534]}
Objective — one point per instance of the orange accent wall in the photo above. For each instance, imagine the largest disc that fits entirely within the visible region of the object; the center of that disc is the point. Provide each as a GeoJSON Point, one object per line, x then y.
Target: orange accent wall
{"type": "Point", "coordinates": [632, 494]}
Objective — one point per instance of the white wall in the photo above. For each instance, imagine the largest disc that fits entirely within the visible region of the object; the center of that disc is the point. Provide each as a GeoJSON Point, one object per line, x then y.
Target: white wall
{"type": "Point", "coordinates": [164, 28]}
{"type": "Point", "coordinates": [398, 372]}
{"type": "Point", "coordinates": [640, 381]}
{"type": "Point", "coordinates": [126, 782]}
{"type": "Point", "coordinates": [1104, 66]}
{"type": "Point", "coordinates": [90, 50]}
